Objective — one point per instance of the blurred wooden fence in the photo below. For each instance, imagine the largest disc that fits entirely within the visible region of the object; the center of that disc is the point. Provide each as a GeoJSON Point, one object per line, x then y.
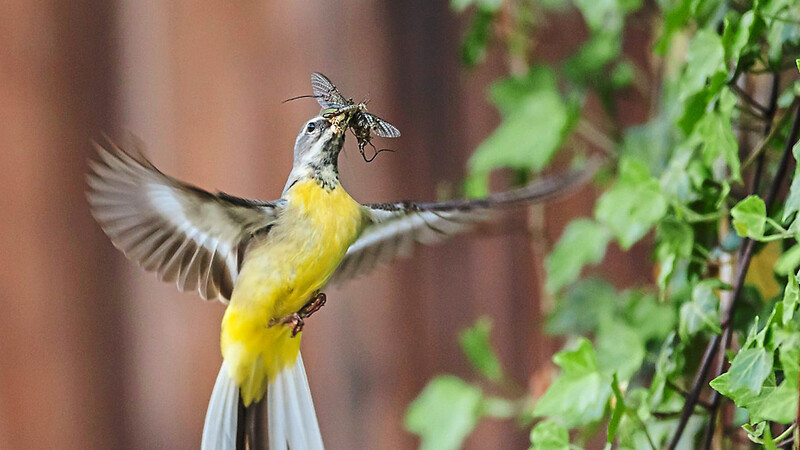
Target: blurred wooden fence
{"type": "Point", "coordinates": [94, 353]}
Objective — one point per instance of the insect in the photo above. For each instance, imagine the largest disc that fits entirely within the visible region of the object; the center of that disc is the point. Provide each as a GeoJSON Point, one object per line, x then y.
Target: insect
{"type": "Point", "coordinates": [361, 122]}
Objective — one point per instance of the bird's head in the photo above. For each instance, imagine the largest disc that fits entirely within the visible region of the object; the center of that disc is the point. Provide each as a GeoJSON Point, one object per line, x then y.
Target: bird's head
{"type": "Point", "coordinates": [319, 141]}
{"type": "Point", "coordinates": [316, 151]}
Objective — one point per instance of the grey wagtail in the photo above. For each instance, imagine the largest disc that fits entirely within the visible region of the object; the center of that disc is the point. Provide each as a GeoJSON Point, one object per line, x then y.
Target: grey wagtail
{"type": "Point", "coordinates": [268, 262]}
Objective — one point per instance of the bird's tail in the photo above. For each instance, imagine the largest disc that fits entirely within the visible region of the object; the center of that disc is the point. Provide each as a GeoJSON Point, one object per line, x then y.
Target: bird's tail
{"type": "Point", "coordinates": [290, 412]}
{"type": "Point", "coordinates": [220, 429]}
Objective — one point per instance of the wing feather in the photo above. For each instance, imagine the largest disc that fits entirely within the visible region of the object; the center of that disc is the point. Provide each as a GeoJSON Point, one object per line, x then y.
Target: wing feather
{"type": "Point", "coordinates": [182, 233]}
{"type": "Point", "coordinates": [395, 228]}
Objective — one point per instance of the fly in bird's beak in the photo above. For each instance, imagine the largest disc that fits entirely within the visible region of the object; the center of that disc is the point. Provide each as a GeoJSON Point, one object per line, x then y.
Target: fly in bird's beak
{"type": "Point", "coordinates": [338, 123]}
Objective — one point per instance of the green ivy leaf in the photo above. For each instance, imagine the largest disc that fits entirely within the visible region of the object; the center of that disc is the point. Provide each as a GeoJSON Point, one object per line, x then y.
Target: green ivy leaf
{"type": "Point", "coordinates": [755, 432]}
{"type": "Point", "coordinates": [475, 344]}
{"type": "Point", "coordinates": [617, 413]}
{"type": "Point", "coordinates": [461, 5]}
{"type": "Point", "coordinates": [633, 205]}
{"type": "Point", "coordinates": [669, 361]}
{"type": "Point", "coordinates": [789, 261]}
{"type": "Point", "coordinates": [793, 200]}
{"type": "Point", "coordinates": [676, 16]}
{"type": "Point", "coordinates": [588, 64]}
{"type": "Point", "coordinates": [675, 241]}
{"type": "Point", "coordinates": [716, 133]}
{"type": "Point", "coordinates": [511, 94]}
{"type": "Point", "coordinates": [620, 350]}
{"type": "Point", "coordinates": [791, 298]}
{"type": "Point", "coordinates": [580, 394]}
{"type": "Point", "coordinates": [750, 368]}
{"type": "Point", "coordinates": [749, 217]}
{"type": "Point", "coordinates": [704, 60]}
{"type": "Point", "coordinates": [790, 364]}
{"type": "Point", "coordinates": [549, 435]}
{"type": "Point", "coordinates": [582, 307]}
{"type": "Point", "coordinates": [650, 319]}
{"type": "Point", "coordinates": [738, 35]}
{"type": "Point", "coordinates": [535, 125]}
{"type": "Point", "coordinates": [675, 236]}
{"type": "Point", "coordinates": [473, 50]}
{"type": "Point", "coordinates": [702, 312]}
{"type": "Point", "coordinates": [781, 17]}
{"type": "Point", "coordinates": [606, 15]}
{"type": "Point", "coordinates": [776, 403]}
{"type": "Point", "coordinates": [622, 75]}
{"type": "Point", "coordinates": [583, 242]}
{"type": "Point", "coordinates": [444, 413]}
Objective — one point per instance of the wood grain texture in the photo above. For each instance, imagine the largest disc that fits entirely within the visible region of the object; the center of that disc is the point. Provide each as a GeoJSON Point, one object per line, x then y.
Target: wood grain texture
{"type": "Point", "coordinates": [98, 354]}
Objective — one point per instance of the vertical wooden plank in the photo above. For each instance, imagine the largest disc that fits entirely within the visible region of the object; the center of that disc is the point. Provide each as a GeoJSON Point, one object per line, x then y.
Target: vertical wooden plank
{"type": "Point", "coordinates": [60, 377]}
{"type": "Point", "coordinates": [97, 353]}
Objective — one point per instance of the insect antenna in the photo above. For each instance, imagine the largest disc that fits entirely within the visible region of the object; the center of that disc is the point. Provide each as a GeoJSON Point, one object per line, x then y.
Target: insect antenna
{"type": "Point", "coordinates": [374, 155]}
{"type": "Point", "coordinates": [301, 96]}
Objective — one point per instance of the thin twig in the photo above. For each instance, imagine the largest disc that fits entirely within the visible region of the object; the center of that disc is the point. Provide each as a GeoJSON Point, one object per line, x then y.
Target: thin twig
{"type": "Point", "coordinates": [763, 110]}
{"type": "Point", "coordinates": [645, 430]}
{"type": "Point", "coordinates": [684, 393]}
{"type": "Point", "coordinates": [771, 109]}
{"type": "Point", "coordinates": [595, 136]}
{"type": "Point", "coordinates": [778, 124]}
{"type": "Point", "coordinates": [694, 394]}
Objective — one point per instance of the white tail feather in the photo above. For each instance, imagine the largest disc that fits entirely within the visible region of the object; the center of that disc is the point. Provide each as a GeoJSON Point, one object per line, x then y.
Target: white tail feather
{"type": "Point", "coordinates": [292, 420]}
{"type": "Point", "coordinates": [219, 431]}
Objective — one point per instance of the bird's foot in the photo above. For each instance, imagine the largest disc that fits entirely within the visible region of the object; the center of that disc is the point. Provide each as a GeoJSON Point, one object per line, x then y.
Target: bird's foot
{"type": "Point", "coordinates": [293, 321]}
{"type": "Point", "coordinates": [314, 305]}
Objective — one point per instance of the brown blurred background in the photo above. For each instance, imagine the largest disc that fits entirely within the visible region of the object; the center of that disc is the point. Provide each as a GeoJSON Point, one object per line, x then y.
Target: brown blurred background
{"type": "Point", "coordinates": [95, 353]}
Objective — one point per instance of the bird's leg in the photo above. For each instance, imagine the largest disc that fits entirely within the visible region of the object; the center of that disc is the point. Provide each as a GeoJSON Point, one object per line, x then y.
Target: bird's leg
{"type": "Point", "coordinates": [313, 305]}
{"type": "Point", "coordinates": [295, 320]}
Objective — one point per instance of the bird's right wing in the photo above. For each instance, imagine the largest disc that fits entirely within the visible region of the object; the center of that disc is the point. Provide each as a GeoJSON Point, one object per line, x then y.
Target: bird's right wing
{"type": "Point", "coordinates": [181, 232]}
{"type": "Point", "coordinates": [395, 228]}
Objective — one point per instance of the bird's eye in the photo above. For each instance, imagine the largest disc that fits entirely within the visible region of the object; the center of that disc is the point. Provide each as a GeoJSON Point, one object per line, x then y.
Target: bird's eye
{"type": "Point", "coordinates": [311, 127]}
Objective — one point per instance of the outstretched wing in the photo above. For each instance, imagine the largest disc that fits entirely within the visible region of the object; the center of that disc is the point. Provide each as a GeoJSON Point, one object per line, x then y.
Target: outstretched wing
{"type": "Point", "coordinates": [326, 92]}
{"type": "Point", "coordinates": [396, 228]}
{"type": "Point", "coordinates": [183, 233]}
{"type": "Point", "coordinates": [381, 127]}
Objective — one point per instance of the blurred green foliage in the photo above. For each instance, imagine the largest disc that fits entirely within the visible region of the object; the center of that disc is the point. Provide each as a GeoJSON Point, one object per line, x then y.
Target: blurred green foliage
{"type": "Point", "coordinates": [680, 181]}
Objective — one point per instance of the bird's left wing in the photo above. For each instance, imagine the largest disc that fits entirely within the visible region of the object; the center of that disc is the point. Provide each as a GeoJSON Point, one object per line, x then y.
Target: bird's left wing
{"type": "Point", "coordinates": [395, 228]}
{"type": "Point", "coordinates": [183, 233]}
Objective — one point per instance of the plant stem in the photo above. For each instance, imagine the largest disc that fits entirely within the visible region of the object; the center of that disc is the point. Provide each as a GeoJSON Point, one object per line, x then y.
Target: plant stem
{"type": "Point", "coordinates": [600, 139]}
{"type": "Point", "coordinates": [770, 113]}
{"type": "Point", "coordinates": [727, 315]}
{"type": "Point", "coordinates": [762, 146]}
{"type": "Point", "coordinates": [762, 110]}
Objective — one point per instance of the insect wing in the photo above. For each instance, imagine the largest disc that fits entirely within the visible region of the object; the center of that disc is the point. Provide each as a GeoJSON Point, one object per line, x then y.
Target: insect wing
{"type": "Point", "coordinates": [381, 127]}
{"type": "Point", "coordinates": [326, 92]}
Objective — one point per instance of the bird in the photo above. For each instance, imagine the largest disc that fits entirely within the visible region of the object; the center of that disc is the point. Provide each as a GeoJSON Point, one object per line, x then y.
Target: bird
{"type": "Point", "coordinates": [268, 262]}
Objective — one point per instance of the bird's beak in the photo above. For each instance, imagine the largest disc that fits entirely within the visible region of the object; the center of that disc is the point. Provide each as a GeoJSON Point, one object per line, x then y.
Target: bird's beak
{"type": "Point", "coordinates": [334, 135]}
{"type": "Point", "coordinates": [338, 124]}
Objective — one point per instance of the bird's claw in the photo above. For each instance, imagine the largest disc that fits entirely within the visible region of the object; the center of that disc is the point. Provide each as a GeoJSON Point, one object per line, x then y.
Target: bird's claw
{"type": "Point", "coordinates": [313, 305]}
{"type": "Point", "coordinates": [295, 320]}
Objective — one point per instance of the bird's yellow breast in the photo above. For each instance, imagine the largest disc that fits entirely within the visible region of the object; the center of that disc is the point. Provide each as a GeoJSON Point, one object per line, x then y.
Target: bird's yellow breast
{"type": "Point", "coordinates": [279, 276]}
